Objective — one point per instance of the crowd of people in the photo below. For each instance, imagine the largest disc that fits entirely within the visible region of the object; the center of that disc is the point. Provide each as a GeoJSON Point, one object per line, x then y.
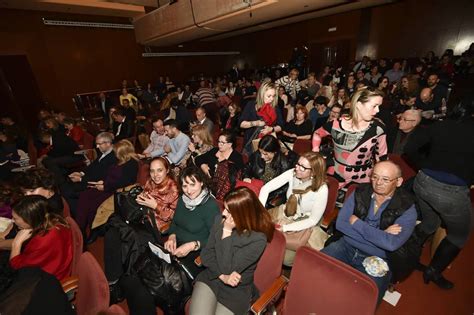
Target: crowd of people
{"type": "Point", "coordinates": [223, 177]}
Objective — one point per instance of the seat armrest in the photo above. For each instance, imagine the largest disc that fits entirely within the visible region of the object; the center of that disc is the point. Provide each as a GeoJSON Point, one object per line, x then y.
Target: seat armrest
{"type": "Point", "coordinates": [270, 296]}
{"type": "Point", "coordinates": [70, 284]}
{"type": "Point", "coordinates": [328, 218]}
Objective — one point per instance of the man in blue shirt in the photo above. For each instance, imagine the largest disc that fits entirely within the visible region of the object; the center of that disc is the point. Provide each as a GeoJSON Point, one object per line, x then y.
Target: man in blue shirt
{"type": "Point", "coordinates": [376, 220]}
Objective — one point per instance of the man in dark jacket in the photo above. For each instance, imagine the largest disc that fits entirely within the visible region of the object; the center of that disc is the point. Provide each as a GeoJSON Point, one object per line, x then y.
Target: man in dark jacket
{"type": "Point", "coordinates": [95, 172]}
{"type": "Point", "coordinates": [376, 221]}
{"type": "Point", "coordinates": [123, 128]}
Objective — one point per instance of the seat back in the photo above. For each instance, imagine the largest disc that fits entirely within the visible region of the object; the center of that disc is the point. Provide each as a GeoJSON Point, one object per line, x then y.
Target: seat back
{"type": "Point", "coordinates": [93, 290]}
{"type": "Point", "coordinates": [66, 208]}
{"type": "Point", "coordinates": [350, 190]}
{"type": "Point", "coordinates": [88, 141]}
{"type": "Point", "coordinates": [302, 146]}
{"type": "Point", "coordinates": [323, 285]}
{"type": "Point", "coordinates": [407, 171]}
{"type": "Point", "coordinates": [330, 212]}
{"type": "Point", "coordinates": [270, 264]}
{"type": "Point", "coordinates": [78, 244]}
{"type": "Point", "coordinates": [143, 172]}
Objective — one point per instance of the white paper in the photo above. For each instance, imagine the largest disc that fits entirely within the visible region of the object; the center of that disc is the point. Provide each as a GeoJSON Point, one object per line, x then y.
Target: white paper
{"type": "Point", "coordinates": [159, 252]}
{"type": "Point", "coordinates": [4, 224]}
{"type": "Point", "coordinates": [392, 297]}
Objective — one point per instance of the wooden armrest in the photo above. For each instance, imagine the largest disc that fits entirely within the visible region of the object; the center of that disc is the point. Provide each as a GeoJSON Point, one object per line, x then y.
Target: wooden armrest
{"type": "Point", "coordinates": [328, 218]}
{"type": "Point", "coordinates": [271, 295]}
{"type": "Point", "coordinates": [70, 283]}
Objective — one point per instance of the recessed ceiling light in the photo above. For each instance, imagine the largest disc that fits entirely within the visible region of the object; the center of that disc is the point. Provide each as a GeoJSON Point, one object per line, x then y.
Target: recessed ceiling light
{"type": "Point", "coordinates": [180, 45]}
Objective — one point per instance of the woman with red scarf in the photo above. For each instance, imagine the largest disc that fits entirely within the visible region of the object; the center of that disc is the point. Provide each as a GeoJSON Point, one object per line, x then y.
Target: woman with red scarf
{"type": "Point", "coordinates": [261, 117]}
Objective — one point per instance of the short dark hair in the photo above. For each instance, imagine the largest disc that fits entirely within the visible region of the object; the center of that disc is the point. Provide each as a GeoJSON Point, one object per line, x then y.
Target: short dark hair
{"type": "Point", "coordinates": [36, 178]}
{"type": "Point", "coordinates": [69, 121]}
{"type": "Point", "coordinates": [195, 174]}
{"type": "Point", "coordinates": [172, 123]}
{"type": "Point", "coordinates": [321, 100]}
{"type": "Point", "coordinates": [229, 137]}
{"type": "Point", "coordinates": [119, 111]}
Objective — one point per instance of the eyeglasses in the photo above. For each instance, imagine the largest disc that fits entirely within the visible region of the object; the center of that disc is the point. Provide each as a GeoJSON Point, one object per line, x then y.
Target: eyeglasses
{"type": "Point", "coordinates": [100, 143]}
{"type": "Point", "coordinates": [404, 119]}
{"type": "Point", "coordinates": [384, 180]}
{"type": "Point", "coordinates": [222, 142]}
{"type": "Point", "coordinates": [302, 167]}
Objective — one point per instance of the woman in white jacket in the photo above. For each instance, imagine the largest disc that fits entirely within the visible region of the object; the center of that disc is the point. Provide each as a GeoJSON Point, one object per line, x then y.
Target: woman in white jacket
{"type": "Point", "coordinates": [307, 197]}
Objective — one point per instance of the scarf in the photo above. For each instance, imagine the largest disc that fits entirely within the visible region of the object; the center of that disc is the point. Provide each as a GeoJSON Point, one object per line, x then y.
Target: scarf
{"type": "Point", "coordinates": [191, 204]}
{"type": "Point", "coordinates": [295, 198]}
{"type": "Point", "coordinates": [268, 114]}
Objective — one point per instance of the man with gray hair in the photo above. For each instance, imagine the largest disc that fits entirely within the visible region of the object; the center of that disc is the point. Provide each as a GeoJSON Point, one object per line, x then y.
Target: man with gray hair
{"type": "Point", "coordinates": [408, 122]}
{"type": "Point", "coordinates": [375, 224]}
{"type": "Point", "coordinates": [96, 171]}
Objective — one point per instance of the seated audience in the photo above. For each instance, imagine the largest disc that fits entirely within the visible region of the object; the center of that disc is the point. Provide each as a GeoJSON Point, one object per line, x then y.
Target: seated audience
{"type": "Point", "coordinates": [96, 171]}
{"type": "Point", "coordinates": [123, 127]}
{"type": "Point", "coordinates": [201, 143]}
{"type": "Point", "coordinates": [319, 112]}
{"type": "Point", "coordinates": [230, 256]}
{"type": "Point", "coordinates": [8, 155]}
{"type": "Point", "coordinates": [105, 104]}
{"type": "Point", "coordinates": [158, 140]}
{"type": "Point", "coordinates": [41, 182]}
{"type": "Point", "coordinates": [132, 100]}
{"type": "Point", "coordinates": [14, 132]}
{"type": "Point", "coordinates": [195, 214]}
{"type": "Point", "coordinates": [44, 239]}
{"type": "Point", "coordinates": [222, 164]}
{"type": "Point", "coordinates": [407, 123]}
{"type": "Point", "coordinates": [231, 119]}
{"type": "Point", "coordinates": [203, 120]}
{"type": "Point", "coordinates": [129, 111]}
{"type": "Point", "coordinates": [123, 174]}
{"type": "Point", "coordinates": [311, 85]}
{"type": "Point", "coordinates": [375, 221]}
{"type": "Point", "coordinates": [290, 83]}
{"type": "Point", "coordinates": [307, 196]}
{"type": "Point", "coordinates": [358, 138]}
{"type": "Point", "coordinates": [300, 128]}
{"type": "Point", "coordinates": [74, 131]}
{"type": "Point", "coordinates": [395, 74]}
{"type": "Point", "coordinates": [177, 145]}
{"type": "Point", "coordinates": [124, 243]}
{"type": "Point", "coordinates": [373, 76]}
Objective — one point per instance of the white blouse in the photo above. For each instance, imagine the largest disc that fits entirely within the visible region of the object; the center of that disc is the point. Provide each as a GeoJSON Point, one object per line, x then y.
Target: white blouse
{"type": "Point", "coordinates": [312, 204]}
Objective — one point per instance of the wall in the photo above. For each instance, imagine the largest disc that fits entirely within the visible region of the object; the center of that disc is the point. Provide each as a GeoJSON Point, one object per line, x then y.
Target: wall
{"type": "Point", "coordinates": [71, 60]}
{"type": "Point", "coordinates": [411, 28]}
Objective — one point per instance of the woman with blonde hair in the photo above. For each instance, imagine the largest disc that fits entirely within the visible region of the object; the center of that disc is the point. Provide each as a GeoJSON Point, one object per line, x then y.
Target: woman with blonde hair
{"type": "Point", "coordinates": [201, 143]}
{"type": "Point", "coordinates": [307, 196]}
{"type": "Point", "coordinates": [359, 138]}
{"type": "Point", "coordinates": [118, 176]}
{"type": "Point", "coordinates": [262, 116]}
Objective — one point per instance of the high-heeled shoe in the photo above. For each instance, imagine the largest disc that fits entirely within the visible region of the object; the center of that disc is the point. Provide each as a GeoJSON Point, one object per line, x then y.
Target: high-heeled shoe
{"type": "Point", "coordinates": [431, 274]}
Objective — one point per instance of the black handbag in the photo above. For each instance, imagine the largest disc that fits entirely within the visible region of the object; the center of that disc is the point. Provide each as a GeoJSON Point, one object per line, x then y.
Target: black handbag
{"type": "Point", "coordinates": [169, 284]}
{"type": "Point", "coordinates": [127, 208]}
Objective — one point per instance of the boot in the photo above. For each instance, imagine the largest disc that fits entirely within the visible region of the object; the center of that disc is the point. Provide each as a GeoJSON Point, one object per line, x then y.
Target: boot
{"type": "Point", "coordinates": [420, 237]}
{"type": "Point", "coordinates": [443, 256]}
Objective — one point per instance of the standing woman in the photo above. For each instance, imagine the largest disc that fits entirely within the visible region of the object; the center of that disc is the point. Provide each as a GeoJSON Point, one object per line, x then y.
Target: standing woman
{"type": "Point", "coordinates": [307, 196]}
{"type": "Point", "coordinates": [262, 116]}
{"type": "Point", "coordinates": [359, 139]}
{"type": "Point", "coordinates": [44, 239]}
{"type": "Point", "coordinates": [235, 245]}
{"type": "Point", "coordinates": [442, 186]}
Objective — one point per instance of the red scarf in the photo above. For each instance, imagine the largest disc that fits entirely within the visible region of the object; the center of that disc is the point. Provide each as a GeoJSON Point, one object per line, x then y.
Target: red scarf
{"type": "Point", "coordinates": [268, 114]}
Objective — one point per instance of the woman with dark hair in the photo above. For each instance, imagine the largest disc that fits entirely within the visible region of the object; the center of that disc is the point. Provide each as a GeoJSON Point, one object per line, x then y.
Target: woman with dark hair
{"type": "Point", "coordinates": [382, 85]}
{"type": "Point", "coordinates": [223, 164]}
{"type": "Point", "coordinates": [41, 182]}
{"type": "Point", "coordinates": [307, 196]}
{"type": "Point", "coordinates": [359, 139]}
{"type": "Point", "coordinates": [44, 239]}
{"type": "Point", "coordinates": [299, 128]}
{"type": "Point", "coordinates": [231, 119]}
{"type": "Point", "coordinates": [194, 216]}
{"type": "Point", "coordinates": [123, 243]}
{"type": "Point", "coordinates": [442, 185]}
{"type": "Point", "coordinates": [235, 245]}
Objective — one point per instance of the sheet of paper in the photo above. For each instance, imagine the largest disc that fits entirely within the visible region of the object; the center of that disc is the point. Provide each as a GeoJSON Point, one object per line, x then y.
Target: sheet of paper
{"type": "Point", "coordinates": [159, 252]}
{"type": "Point", "coordinates": [392, 297]}
{"type": "Point", "coordinates": [4, 223]}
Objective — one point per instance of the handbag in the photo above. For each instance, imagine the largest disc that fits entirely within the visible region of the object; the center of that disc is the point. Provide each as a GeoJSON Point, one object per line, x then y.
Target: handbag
{"type": "Point", "coordinates": [127, 207]}
{"type": "Point", "coordinates": [294, 239]}
{"type": "Point", "coordinates": [168, 283]}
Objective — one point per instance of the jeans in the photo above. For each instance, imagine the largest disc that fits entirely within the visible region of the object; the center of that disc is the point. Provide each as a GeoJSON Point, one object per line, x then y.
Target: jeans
{"type": "Point", "coordinates": [343, 251]}
{"type": "Point", "coordinates": [451, 204]}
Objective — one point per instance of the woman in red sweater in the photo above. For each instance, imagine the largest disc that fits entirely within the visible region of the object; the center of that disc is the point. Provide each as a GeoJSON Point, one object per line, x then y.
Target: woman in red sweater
{"type": "Point", "coordinates": [44, 239]}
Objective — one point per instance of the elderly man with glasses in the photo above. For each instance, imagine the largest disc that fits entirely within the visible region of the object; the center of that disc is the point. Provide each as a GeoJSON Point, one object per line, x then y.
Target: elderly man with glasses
{"type": "Point", "coordinates": [375, 224]}
{"type": "Point", "coordinates": [408, 122]}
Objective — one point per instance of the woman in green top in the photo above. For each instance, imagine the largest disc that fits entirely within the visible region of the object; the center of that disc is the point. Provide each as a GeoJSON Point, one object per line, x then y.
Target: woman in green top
{"type": "Point", "coordinates": [193, 219]}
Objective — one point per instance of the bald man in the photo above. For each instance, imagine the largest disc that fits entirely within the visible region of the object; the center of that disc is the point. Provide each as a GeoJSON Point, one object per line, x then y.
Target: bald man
{"type": "Point", "coordinates": [407, 124]}
{"type": "Point", "coordinates": [377, 220]}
